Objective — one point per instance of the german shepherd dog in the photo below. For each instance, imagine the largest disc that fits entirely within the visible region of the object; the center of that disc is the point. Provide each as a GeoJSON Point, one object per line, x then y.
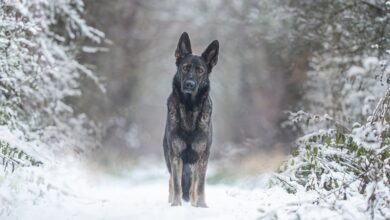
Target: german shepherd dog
{"type": "Point", "coordinates": [188, 130]}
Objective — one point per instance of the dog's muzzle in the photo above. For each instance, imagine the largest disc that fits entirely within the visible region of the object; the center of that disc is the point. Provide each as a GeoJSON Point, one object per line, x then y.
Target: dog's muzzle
{"type": "Point", "coordinates": [189, 86]}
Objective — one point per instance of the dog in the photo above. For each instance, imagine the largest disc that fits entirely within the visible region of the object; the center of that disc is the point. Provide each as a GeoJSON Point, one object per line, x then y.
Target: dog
{"type": "Point", "coordinates": [188, 131]}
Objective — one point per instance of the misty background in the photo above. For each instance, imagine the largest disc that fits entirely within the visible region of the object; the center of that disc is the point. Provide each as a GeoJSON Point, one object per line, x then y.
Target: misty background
{"type": "Point", "coordinates": [255, 80]}
{"type": "Point", "coordinates": [83, 90]}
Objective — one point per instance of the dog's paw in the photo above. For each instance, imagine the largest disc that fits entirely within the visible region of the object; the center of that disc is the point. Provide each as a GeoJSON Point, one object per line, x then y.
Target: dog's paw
{"type": "Point", "coordinates": [176, 203]}
{"type": "Point", "coordinates": [200, 204]}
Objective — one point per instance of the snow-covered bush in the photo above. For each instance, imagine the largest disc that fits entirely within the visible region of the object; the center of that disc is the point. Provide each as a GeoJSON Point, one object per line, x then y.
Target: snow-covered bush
{"type": "Point", "coordinates": [343, 154]}
{"type": "Point", "coordinates": [349, 55]}
{"type": "Point", "coordinates": [39, 70]}
{"type": "Point", "coordinates": [39, 44]}
{"type": "Point", "coordinates": [339, 164]}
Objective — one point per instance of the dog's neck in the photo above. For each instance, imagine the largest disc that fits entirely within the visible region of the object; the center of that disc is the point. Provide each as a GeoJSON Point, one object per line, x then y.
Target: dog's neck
{"type": "Point", "coordinates": [190, 108]}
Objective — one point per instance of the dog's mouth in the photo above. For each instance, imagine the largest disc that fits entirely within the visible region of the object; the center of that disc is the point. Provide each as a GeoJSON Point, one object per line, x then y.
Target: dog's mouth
{"type": "Point", "coordinates": [188, 91]}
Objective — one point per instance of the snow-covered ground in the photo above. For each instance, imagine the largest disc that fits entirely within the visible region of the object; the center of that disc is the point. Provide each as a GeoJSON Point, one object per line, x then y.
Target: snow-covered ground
{"type": "Point", "coordinates": [79, 192]}
{"type": "Point", "coordinates": [140, 194]}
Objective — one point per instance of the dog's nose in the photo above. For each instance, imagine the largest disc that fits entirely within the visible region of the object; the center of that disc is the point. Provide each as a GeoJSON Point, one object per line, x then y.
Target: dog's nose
{"type": "Point", "coordinates": [189, 84]}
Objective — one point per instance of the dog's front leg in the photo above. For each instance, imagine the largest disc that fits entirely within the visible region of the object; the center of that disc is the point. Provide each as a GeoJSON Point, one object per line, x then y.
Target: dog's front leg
{"type": "Point", "coordinates": [199, 174]}
{"type": "Point", "coordinates": [200, 167]}
{"type": "Point", "coordinates": [177, 170]}
{"type": "Point", "coordinates": [170, 199]}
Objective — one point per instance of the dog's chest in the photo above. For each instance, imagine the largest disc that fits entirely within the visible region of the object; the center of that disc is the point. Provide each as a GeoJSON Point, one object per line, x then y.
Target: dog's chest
{"type": "Point", "coordinates": [188, 118]}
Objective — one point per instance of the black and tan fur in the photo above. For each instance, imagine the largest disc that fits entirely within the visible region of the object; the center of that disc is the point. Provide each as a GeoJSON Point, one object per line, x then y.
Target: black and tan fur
{"type": "Point", "coordinates": [188, 132]}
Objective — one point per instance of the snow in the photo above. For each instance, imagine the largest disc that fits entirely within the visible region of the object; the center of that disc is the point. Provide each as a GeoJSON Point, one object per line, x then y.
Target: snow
{"type": "Point", "coordinates": [78, 191]}
{"type": "Point", "coordinates": [140, 194]}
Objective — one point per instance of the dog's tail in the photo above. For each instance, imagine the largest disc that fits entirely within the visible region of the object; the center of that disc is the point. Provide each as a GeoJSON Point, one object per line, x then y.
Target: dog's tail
{"type": "Point", "coordinates": [186, 181]}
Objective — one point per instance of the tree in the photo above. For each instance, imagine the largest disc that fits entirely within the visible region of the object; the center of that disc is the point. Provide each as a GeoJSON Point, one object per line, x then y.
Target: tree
{"type": "Point", "coordinates": [39, 70]}
{"type": "Point", "coordinates": [344, 152]}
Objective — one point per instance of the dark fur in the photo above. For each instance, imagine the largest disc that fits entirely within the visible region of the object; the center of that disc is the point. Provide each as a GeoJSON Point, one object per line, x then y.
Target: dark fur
{"type": "Point", "coordinates": [188, 131]}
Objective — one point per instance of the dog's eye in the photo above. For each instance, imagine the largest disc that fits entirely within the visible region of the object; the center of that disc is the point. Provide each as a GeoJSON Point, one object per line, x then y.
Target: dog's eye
{"type": "Point", "coordinates": [199, 70]}
{"type": "Point", "coordinates": [185, 68]}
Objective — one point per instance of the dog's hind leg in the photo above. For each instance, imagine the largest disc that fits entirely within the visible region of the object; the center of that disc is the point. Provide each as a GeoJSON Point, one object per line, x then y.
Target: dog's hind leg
{"type": "Point", "coordinates": [186, 181]}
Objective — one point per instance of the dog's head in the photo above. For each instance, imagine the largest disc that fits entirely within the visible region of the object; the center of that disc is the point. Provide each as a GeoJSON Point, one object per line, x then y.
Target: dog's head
{"type": "Point", "coordinates": [193, 71]}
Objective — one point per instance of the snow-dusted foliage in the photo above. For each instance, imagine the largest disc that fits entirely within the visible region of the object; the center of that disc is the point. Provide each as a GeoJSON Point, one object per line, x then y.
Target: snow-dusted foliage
{"type": "Point", "coordinates": [341, 165]}
{"type": "Point", "coordinates": [39, 43]}
{"type": "Point", "coordinates": [349, 56]}
{"type": "Point", "coordinates": [343, 155]}
{"type": "Point", "coordinates": [348, 94]}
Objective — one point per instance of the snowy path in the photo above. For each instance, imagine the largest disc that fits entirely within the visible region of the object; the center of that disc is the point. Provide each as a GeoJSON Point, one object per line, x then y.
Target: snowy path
{"type": "Point", "coordinates": [149, 201]}
{"type": "Point", "coordinates": [76, 192]}
{"type": "Point", "coordinates": [141, 195]}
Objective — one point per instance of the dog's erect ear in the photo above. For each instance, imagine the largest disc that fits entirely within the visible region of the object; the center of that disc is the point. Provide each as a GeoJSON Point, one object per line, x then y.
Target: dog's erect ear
{"type": "Point", "coordinates": [210, 55]}
{"type": "Point", "coordinates": [183, 47]}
